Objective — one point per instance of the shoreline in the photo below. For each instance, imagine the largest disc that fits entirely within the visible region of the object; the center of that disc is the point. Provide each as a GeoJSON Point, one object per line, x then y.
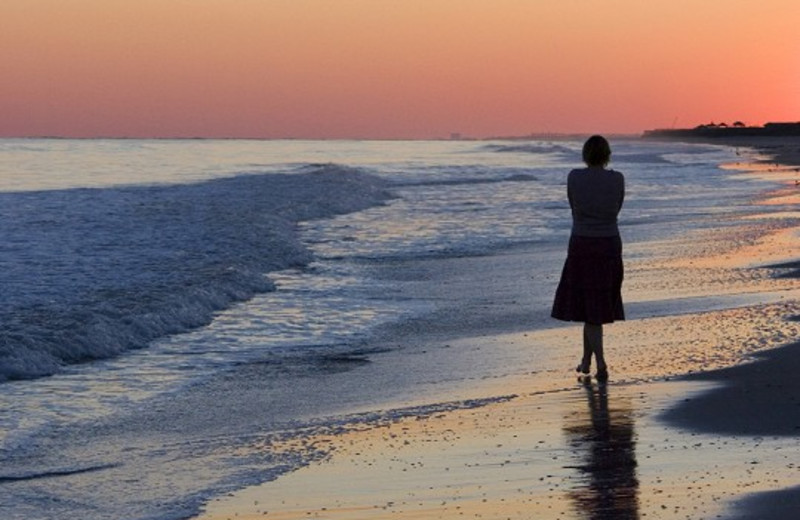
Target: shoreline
{"type": "Point", "coordinates": [759, 398]}
{"type": "Point", "coordinates": [592, 450]}
{"type": "Point", "coordinates": [539, 453]}
{"type": "Point", "coordinates": [784, 150]}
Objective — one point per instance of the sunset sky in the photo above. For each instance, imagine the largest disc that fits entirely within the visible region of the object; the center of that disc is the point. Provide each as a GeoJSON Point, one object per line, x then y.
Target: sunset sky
{"type": "Point", "coordinates": [392, 68]}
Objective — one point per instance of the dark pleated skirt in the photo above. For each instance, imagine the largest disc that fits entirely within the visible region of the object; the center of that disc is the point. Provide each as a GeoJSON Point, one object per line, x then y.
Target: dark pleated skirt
{"type": "Point", "coordinates": [590, 289]}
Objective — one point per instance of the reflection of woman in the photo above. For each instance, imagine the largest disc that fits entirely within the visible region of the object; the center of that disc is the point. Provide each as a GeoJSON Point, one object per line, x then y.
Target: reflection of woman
{"type": "Point", "coordinates": [604, 443]}
{"type": "Point", "coordinates": [591, 281]}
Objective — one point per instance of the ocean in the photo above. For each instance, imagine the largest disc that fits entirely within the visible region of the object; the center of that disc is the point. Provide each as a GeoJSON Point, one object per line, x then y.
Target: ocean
{"type": "Point", "coordinates": [173, 309]}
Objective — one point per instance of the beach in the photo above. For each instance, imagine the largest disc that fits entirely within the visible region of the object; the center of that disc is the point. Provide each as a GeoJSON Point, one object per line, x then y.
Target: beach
{"type": "Point", "coordinates": [275, 259]}
{"type": "Point", "coordinates": [361, 329]}
{"type": "Point", "coordinates": [522, 441]}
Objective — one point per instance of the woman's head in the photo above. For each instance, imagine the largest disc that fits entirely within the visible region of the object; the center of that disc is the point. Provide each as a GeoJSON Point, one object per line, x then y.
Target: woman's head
{"type": "Point", "coordinates": [596, 151]}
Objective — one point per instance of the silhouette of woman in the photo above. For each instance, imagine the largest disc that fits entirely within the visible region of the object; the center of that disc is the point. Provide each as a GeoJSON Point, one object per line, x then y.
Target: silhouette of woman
{"type": "Point", "coordinates": [590, 289]}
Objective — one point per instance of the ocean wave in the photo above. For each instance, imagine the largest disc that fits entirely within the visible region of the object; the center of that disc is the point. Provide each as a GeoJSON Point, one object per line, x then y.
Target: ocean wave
{"type": "Point", "coordinates": [623, 154]}
{"type": "Point", "coordinates": [536, 148]}
{"type": "Point", "coordinates": [517, 177]}
{"type": "Point", "coordinates": [640, 158]}
{"type": "Point", "coordinates": [91, 273]}
{"type": "Point", "coordinates": [618, 157]}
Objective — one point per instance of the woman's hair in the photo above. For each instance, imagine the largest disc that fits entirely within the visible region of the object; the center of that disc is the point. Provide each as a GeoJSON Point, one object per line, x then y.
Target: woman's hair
{"type": "Point", "coordinates": [596, 151]}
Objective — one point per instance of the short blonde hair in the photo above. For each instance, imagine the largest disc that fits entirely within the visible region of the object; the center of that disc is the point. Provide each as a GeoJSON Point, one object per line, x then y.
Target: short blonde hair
{"type": "Point", "coordinates": [596, 151]}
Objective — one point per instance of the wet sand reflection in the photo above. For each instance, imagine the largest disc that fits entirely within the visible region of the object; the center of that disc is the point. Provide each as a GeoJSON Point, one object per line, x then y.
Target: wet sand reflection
{"type": "Point", "coordinates": [603, 443]}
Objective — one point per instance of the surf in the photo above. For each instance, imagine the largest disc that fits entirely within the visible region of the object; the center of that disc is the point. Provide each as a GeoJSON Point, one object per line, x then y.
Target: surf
{"type": "Point", "coordinates": [91, 273]}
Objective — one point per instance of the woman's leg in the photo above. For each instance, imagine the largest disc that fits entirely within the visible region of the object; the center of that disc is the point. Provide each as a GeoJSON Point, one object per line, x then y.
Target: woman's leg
{"type": "Point", "coordinates": [593, 344]}
{"type": "Point", "coordinates": [588, 349]}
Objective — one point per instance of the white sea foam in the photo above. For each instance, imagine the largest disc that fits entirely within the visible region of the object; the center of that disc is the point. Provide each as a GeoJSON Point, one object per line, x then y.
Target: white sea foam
{"type": "Point", "coordinates": [92, 273]}
{"type": "Point", "coordinates": [538, 148]}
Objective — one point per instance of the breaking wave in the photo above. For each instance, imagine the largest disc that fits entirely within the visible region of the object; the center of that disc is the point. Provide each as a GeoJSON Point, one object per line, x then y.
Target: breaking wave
{"type": "Point", "coordinates": [91, 273]}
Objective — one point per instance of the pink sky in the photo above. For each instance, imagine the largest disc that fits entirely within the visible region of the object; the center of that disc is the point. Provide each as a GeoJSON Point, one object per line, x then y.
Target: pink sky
{"type": "Point", "coordinates": [392, 68]}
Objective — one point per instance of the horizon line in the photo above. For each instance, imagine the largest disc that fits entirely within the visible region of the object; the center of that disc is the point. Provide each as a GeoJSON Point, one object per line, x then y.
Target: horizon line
{"type": "Point", "coordinates": [537, 135]}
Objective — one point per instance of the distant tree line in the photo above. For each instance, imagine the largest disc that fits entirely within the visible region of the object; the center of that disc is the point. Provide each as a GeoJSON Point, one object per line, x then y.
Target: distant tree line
{"type": "Point", "coordinates": [724, 130]}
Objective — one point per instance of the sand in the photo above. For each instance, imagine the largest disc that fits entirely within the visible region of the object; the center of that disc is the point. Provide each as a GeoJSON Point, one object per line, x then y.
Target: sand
{"type": "Point", "coordinates": [590, 452]}
{"type": "Point", "coordinates": [652, 443]}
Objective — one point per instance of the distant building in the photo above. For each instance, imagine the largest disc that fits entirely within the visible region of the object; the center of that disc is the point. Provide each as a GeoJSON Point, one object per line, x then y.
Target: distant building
{"type": "Point", "coordinates": [783, 128]}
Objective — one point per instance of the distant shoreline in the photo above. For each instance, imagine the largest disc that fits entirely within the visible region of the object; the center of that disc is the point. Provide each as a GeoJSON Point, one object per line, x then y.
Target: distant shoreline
{"type": "Point", "coordinates": [723, 131]}
{"type": "Point", "coordinates": [710, 133]}
{"type": "Point", "coordinates": [780, 141]}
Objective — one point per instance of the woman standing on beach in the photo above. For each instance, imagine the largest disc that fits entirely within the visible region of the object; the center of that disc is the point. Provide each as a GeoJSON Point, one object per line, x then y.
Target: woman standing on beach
{"type": "Point", "coordinates": [590, 290]}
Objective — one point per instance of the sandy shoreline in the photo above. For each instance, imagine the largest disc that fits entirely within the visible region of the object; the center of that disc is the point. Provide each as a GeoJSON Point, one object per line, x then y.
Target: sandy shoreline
{"type": "Point", "coordinates": [588, 452]}
{"type": "Point", "coordinates": [715, 444]}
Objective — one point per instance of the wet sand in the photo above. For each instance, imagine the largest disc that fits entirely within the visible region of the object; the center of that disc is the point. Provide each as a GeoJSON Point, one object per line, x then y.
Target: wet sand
{"type": "Point", "coordinates": [759, 399]}
{"type": "Point", "coordinates": [653, 443]}
{"type": "Point", "coordinates": [777, 150]}
{"type": "Point", "coordinates": [592, 451]}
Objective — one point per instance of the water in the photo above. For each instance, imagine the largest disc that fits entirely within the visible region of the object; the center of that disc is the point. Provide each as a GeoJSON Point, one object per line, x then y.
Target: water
{"type": "Point", "coordinates": [167, 303]}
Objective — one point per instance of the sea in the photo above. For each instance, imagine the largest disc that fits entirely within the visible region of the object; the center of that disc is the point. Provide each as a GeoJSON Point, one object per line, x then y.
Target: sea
{"type": "Point", "coordinates": [172, 309]}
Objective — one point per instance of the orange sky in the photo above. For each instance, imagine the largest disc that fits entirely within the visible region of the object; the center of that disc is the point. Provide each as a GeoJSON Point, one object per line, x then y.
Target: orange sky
{"type": "Point", "coordinates": [392, 68]}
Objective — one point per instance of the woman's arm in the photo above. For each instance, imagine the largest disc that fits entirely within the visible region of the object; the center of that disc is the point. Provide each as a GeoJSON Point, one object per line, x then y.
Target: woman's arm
{"type": "Point", "coordinates": [569, 189]}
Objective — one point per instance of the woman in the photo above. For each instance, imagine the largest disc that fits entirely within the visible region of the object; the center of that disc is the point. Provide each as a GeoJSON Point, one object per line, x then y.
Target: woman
{"type": "Point", "coordinates": [591, 281]}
